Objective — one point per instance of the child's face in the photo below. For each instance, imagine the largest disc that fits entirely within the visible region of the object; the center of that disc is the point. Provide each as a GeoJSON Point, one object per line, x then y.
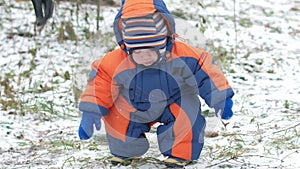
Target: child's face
{"type": "Point", "coordinates": [145, 57]}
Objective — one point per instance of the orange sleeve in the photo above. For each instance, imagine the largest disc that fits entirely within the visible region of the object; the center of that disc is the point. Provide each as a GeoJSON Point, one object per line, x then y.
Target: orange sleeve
{"type": "Point", "coordinates": [206, 63]}
{"type": "Point", "coordinates": [101, 90]}
{"type": "Point", "coordinates": [212, 85]}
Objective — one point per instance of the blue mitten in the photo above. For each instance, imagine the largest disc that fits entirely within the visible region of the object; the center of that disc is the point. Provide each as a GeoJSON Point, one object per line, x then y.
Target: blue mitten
{"type": "Point", "coordinates": [226, 109]}
{"type": "Point", "coordinates": [86, 128]}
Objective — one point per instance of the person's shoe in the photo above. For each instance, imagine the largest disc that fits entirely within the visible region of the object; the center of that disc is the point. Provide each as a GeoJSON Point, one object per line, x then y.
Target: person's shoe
{"type": "Point", "coordinates": [172, 162]}
{"type": "Point", "coordinates": [117, 160]}
{"type": "Point", "coordinates": [39, 24]}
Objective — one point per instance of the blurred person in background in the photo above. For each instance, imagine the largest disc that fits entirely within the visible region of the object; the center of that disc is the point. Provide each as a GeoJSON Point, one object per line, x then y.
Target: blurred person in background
{"type": "Point", "coordinates": [43, 11]}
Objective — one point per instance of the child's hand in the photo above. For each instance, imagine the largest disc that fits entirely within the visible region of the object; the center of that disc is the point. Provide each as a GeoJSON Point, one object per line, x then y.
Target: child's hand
{"type": "Point", "coordinates": [225, 108]}
{"type": "Point", "coordinates": [86, 128]}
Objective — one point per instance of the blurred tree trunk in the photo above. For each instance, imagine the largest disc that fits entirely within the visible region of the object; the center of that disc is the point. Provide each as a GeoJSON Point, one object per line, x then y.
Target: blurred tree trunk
{"type": "Point", "coordinates": [98, 13]}
{"type": "Point", "coordinates": [235, 28]}
{"type": "Point", "coordinates": [77, 11]}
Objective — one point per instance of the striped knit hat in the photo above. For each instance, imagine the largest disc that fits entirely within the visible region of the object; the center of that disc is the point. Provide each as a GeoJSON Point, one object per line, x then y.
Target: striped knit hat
{"type": "Point", "coordinates": [146, 31]}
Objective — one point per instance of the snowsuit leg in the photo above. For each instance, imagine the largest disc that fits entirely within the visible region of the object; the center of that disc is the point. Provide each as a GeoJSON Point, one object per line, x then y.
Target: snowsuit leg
{"type": "Point", "coordinates": [182, 132]}
{"type": "Point", "coordinates": [136, 143]}
{"type": "Point", "coordinates": [126, 138]}
{"type": "Point", "coordinates": [180, 135]}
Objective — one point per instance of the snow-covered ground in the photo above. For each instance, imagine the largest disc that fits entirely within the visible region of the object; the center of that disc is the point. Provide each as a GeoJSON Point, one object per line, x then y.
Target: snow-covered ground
{"type": "Point", "coordinates": [41, 78]}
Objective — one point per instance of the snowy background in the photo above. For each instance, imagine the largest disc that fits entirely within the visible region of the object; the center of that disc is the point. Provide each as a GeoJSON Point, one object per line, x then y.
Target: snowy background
{"type": "Point", "coordinates": [256, 44]}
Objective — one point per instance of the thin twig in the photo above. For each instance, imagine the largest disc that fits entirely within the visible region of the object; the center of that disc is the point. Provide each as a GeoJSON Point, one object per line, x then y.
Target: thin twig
{"type": "Point", "coordinates": [286, 128]}
{"type": "Point", "coordinates": [67, 160]}
{"type": "Point", "coordinates": [235, 29]}
{"type": "Point", "coordinates": [249, 155]}
{"type": "Point", "coordinates": [260, 156]}
{"type": "Point", "coordinates": [224, 161]}
{"type": "Point", "coordinates": [220, 118]}
{"type": "Point", "coordinates": [296, 151]}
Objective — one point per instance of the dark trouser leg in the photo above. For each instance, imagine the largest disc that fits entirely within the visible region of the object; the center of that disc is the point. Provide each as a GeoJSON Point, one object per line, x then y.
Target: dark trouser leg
{"type": "Point", "coordinates": [43, 10]}
{"type": "Point", "coordinates": [49, 5]}
{"type": "Point", "coordinates": [136, 143]}
{"type": "Point", "coordinates": [38, 8]}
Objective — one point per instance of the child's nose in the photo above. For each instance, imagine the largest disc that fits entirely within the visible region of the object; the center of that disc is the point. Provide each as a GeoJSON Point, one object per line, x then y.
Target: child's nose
{"type": "Point", "coordinates": [148, 54]}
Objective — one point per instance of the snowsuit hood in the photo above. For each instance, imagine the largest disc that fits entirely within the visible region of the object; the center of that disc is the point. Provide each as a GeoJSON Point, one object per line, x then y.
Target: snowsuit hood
{"type": "Point", "coordinates": [135, 8]}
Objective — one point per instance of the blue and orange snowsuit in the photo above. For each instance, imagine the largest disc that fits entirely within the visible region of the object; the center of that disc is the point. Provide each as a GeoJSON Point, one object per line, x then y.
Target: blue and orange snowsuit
{"type": "Point", "coordinates": [131, 97]}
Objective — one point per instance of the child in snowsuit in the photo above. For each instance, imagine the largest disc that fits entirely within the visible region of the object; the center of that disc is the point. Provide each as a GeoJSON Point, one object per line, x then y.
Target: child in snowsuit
{"type": "Point", "coordinates": [152, 78]}
{"type": "Point", "coordinates": [43, 11]}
